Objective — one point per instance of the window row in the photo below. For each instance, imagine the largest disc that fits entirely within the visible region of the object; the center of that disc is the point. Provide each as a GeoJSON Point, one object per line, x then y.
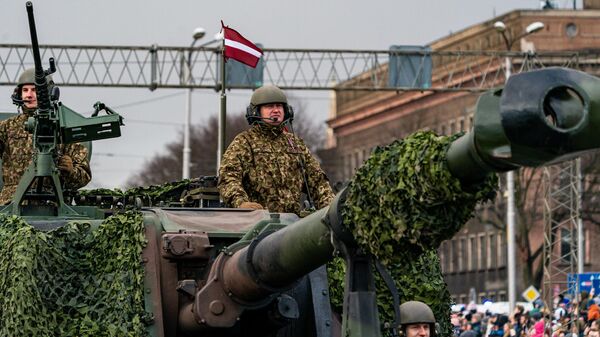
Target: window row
{"type": "Point", "coordinates": [452, 126]}
{"type": "Point", "coordinates": [481, 251]}
{"type": "Point", "coordinates": [352, 161]}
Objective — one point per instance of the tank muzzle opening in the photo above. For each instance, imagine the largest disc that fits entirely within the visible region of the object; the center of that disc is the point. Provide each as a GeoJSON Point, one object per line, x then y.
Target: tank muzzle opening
{"type": "Point", "coordinates": [564, 108]}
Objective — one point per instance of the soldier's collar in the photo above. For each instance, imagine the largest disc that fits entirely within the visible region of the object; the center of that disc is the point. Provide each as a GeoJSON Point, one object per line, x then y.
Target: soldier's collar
{"type": "Point", "coordinates": [28, 111]}
{"type": "Point", "coordinates": [270, 130]}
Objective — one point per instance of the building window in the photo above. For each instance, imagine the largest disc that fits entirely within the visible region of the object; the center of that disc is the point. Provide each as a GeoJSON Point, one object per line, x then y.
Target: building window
{"type": "Point", "coordinates": [462, 257]}
{"type": "Point", "coordinates": [348, 167]}
{"type": "Point", "coordinates": [571, 30]}
{"type": "Point", "coordinates": [461, 125]}
{"type": "Point", "coordinates": [492, 252]}
{"type": "Point", "coordinates": [472, 252]}
{"type": "Point", "coordinates": [442, 255]}
{"type": "Point", "coordinates": [453, 256]}
{"type": "Point", "coordinates": [502, 250]}
{"type": "Point", "coordinates": [451, 128]}
{"type": "Point", "coordinates": [502, 296]}
{"type": "Point", "coordinates": [481, 252]}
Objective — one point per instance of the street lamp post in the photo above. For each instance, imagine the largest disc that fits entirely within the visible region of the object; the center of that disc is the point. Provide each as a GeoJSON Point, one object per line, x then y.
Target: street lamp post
{"type": "Point", "coordinates": [187, 151]}
{"type": "Point", "coordinates": [510, 177]}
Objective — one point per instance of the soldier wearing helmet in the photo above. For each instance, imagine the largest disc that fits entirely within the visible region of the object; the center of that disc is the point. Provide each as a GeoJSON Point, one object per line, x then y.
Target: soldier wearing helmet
{"type": "Point", "coordinates": [416, 320]}
{"type": "Point", "coordinates": [269, 167]}
{"type": "Point", "coordinates": [16, 144]}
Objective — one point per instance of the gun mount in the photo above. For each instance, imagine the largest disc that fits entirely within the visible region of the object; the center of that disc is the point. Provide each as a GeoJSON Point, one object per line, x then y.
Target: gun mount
{"type": "Point", "coordinates": [39, 191]}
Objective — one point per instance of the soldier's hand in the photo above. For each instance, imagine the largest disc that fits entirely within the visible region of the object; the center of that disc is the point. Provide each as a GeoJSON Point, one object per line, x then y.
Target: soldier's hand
{"type": "Point", "coordinates": [65, 164]}
{"type": "Point", "coordinates": [251, 205]}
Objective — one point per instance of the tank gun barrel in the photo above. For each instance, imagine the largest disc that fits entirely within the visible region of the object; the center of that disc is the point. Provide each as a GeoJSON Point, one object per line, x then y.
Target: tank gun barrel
{"type": "Point", "coordinates": [271, 263]}
{"type": "Point", "coordinates": [538, 118]}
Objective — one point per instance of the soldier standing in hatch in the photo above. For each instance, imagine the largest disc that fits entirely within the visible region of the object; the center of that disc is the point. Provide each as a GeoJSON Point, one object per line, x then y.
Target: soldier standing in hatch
{"type": "Point", "coordinates": [16, 145]}
{"type": "Point", "coordinates": [269, 167]}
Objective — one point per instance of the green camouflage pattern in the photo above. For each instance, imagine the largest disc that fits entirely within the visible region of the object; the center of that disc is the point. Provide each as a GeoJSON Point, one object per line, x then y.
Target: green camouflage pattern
{"type": "Point", "coordinates": [263, 165]}
{"type": "Point", "coordinates": [16, 147]}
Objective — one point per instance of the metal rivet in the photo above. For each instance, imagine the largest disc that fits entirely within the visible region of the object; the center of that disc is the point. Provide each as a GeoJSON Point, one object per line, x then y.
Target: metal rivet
{"type": "Point", "coordinates": [216, 307]}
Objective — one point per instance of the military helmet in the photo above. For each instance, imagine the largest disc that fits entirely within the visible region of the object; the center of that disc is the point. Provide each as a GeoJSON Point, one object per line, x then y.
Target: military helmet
{"type": "Point", "coordinates": [266, 95]}
{"type": "Point", "coordinates": [26, 77]}
{"type": "Point", "coordinates": [413, 312]}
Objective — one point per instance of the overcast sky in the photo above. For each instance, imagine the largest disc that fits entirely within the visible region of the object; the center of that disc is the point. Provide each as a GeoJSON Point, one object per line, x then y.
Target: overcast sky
{"type": "Point", "coordinates": [156, 118]}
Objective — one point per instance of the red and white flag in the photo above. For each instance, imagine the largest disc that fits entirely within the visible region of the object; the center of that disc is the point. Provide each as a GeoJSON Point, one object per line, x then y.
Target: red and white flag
{"type": "Point", "coordinates": [239, 48]}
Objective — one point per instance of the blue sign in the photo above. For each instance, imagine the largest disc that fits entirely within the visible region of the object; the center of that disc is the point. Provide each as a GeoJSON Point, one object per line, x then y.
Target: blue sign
{"type": "Point", "coordinates": [585, 281]}
{"type": "Point", "coordinates": [410, 66]}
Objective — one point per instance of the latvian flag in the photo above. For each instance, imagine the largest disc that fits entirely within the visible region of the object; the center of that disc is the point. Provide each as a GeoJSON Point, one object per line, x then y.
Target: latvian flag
{"type": "Point", "coordinates": [239, 48]}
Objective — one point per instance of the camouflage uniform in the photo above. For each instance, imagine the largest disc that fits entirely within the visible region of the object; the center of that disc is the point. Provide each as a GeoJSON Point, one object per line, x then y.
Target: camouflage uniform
{"type": "Point", "coordinates": [16, 147]}
{"type": "Point", "coordinates": [262, 165]}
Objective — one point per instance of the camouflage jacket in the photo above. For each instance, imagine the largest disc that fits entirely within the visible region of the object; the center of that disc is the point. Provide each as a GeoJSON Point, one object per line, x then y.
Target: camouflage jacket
{"type": "Point", "coordinates": [263, 165]}
{"type": "Point", "coordinates": [16, 147]}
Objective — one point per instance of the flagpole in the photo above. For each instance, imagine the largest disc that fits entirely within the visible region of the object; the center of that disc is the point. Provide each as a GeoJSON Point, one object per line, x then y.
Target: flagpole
{"type": "Point", "coordinates": [223, 112]}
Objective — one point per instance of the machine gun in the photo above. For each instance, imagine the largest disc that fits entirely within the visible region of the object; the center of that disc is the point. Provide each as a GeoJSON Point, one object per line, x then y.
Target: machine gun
{"type": "Point", "coordinates": [39, 191]}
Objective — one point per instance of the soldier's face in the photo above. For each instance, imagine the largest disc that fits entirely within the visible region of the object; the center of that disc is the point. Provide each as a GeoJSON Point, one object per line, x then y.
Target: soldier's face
{"type": "Point", "coordinates": [417, 330]}
{"type": "Point", "coordinates": [29, 96]}
{"type": "Point", "coordinates": [272, 113]}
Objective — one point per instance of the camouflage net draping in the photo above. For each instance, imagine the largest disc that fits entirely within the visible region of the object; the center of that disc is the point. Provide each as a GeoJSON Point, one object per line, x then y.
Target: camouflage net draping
{"type": "Point", "coordinates": [402, 203]}
{"type": "Point", "coordinates": [72, 281]}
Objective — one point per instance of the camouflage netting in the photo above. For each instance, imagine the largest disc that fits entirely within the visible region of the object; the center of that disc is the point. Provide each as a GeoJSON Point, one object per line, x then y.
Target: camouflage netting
{"type": "Point", "coordinates": [72, 281]}
{"type": "Point", "coordinates": [401, 205]}
{"type": "Point", "coordinates": [149, 195]}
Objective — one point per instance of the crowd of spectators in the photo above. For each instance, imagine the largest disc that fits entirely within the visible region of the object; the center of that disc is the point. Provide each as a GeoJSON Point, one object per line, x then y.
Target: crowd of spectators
{"type": "Point", "coordinates": [570, 318]}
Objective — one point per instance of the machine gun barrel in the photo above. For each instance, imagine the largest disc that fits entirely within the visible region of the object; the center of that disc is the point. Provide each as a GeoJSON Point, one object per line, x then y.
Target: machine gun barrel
{"type": "Point", "coordinates": [41, 86]}
{"type": "Point", "coordinates": [538, 118]}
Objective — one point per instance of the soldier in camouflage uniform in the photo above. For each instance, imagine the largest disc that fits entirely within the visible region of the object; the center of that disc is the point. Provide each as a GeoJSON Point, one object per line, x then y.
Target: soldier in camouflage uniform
{"type": "Point", "coordinates": [267, 166]}
{"type": "Point", "coordinates": [16, 145]}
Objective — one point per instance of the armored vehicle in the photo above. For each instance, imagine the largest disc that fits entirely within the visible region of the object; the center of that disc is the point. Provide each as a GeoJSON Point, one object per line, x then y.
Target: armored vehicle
{"type": "Point", "coordinates": [213, 271]}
